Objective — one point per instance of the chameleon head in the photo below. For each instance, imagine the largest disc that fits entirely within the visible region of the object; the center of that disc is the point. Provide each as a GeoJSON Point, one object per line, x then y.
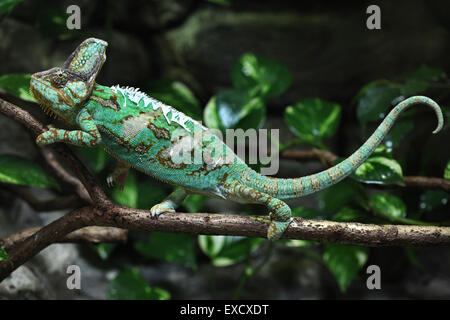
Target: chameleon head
{"type": "Point", "coordinates": [62, 91]}
{"type": "Point", "coordinates": [59, 91]}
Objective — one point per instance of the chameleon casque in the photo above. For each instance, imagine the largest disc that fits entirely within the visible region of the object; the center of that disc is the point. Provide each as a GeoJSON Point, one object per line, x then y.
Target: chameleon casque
{"type": "Point", "coordinates": [144, 133]}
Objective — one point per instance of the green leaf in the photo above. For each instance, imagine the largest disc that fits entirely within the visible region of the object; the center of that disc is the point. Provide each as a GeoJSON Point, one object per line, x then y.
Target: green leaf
{"type": "Point", "coordinates": [388, 206]}
{"type": "Point", "coordinates": [6, 6]}
{"type": "Point", "coordinates": [433, 199]}
{"type": "Point", "coordinates": [227, 250]}
{"type": "Point", "coordinates": [194, 202]}
{"type": "Point", "coordinates": [339, 195]}
{"type": "Point", "coordinates": [18, 170]}
{"type": "Point", "coordinates": [347, 214]}
{"type": "Point", "coordinates": [231, 109]}
{"type": "Point", "coordinates": [169, 247]}
{"type": "Point", "coordinates": [177, 95]}
{"type": "Point", "coordinates": [262, 76]}
{"type": "Point", "coordinates": [129, 285]}
{"type": "Point", "coordinates": [375, 99]}
{"type": "Point", "coordinates": [225, 3]}
{"type": "Point", "coordinates": [379, 170]}
{"type": "Point", "coordinates": [51, 23]}
{"type": "Point", "coordinates": [95, 158]}
{"type": "Point", "coordinates": [307, 213]}
{"type": "Point", "coordinates": [129, 195]}
{"type": "Point", "coordinates": [447, 171]}
{"type": "Point", "coordinates": [313, 119]}
{"type": "Point", "coordinates": [4, 255]}
{"type": "Point", "coordinates": [105, 249]}
{"type": "Point", "coordinates": [414, 87]}
{"type": "Point", "coordinates": [397, 132]}
{"type": "Point", "coordinates": [344, 262]}
{"type": "Point", "coordinates": [417, 82]}
{"type": "Point", "coordinates": [17, 84]}
{"type": "Point", "coordinates": [149, 194]}
{"type": "Point", "coordinates": [426, 73]}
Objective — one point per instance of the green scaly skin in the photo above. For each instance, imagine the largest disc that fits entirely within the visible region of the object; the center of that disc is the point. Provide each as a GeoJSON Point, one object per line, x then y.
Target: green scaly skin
{"type": "Point", "coordinates": [145, 134]}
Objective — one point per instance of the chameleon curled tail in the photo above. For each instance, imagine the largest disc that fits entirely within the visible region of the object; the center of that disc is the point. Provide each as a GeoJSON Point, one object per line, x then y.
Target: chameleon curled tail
{"type": "Point", "coordinates": [271, 191]}
{"type": "Point", "coordinates": [299, 187]}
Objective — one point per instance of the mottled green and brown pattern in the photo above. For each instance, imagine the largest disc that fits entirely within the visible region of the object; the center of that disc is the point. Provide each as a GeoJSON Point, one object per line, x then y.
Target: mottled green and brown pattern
{"type": "Point", "coordinates": [147, 135]}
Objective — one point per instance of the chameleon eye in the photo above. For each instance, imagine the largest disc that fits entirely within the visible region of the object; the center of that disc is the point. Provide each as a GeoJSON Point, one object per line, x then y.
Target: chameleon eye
{"type": "Point", "coordinates": [58, 80]}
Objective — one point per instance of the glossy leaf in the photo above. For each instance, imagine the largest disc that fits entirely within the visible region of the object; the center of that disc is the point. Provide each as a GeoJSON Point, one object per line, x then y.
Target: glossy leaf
{"type": "Point", "coordinates": [339, 195]}
{"type": "Point", "coordinates": [51, 23]}
{"type": "Point", "coordinates": [170, 247]}
{"type": "Point", "coordinates": [262, 76]}
{"type": "Point", "coordinates": [95, 158]}
{"type": "Point", "coordinates": [4, 255]}
{"type": "Point", "coordinates": [308, 213]}
{"type": "Point", "coordinates": [149, 194]}
{"type": "Point", "coordinates": [6, 6]}
{"type": "Point", "coordinates": [388, 206]}
{"type": "Point", "coordinates": [397, 132]}
{"type": "Point", "coordinates": [433, 199]}
{"type": "Point", "coordinates": [177, 95]}
{"type": "Point", "coordinates": [375, 100]}
{"type": "Point", "coordinates": [418, 81]}
{"type": "Point", "coordinates": [447, 171]}
{"type": "Point", "coordinates": [232, 109]}
{"type": "Point", "coordinates": [426, 73]}
{"type": "Point", "coordinates": [18, 170]}
{"type": "Point", "coordinates": [194, 202]}
{"type": "Point", "coordinates": [344, 262]}
{"type": "Point", "coordinates": [17, 84]}
{"type": "Point", "coordinates": [313, 119]}
{"type": "Point", "coordinates": [227, 250]}
{"type": "Point", "coordinates": [129, 285]}
{"type": "Point", "coordinates": [347, 214]}
{"type": "Point", "coordinates": [379, 170]}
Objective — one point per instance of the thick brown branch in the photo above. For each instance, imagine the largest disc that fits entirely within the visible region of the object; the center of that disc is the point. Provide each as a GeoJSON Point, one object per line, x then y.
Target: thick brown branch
{"type": "Point", "coordinates": [328, 158]}
{"type": "Point", "coordinates": [219, 224]}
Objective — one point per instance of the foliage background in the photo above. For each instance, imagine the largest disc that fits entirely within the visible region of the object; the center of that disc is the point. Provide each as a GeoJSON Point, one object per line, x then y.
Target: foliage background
{"type": "Point", "coordinates": [312, 70]}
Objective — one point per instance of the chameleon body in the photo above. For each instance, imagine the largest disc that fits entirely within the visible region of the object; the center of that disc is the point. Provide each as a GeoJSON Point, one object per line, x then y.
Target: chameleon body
{"type": "Point", "coordinates": [145, 134]}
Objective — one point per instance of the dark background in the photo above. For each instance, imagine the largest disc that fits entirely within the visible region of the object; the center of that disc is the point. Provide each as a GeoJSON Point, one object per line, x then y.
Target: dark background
{"type": "Point", "coordinates": [331, 55]}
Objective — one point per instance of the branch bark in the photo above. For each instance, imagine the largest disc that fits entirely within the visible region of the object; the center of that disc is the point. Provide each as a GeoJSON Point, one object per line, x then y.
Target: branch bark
{"type": "Point", "coordinates": [91, 234]}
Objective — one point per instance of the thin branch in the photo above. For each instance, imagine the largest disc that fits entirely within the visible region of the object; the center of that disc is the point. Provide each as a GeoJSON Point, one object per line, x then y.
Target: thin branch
{"type": "Point", "coordinates": [83, 235]}
{"type": "Point", "coordinates": [26, 119]}
{"type": "Point", "coordinates": [58, 203]}
{"type": "Point", "coordinates": [328, 158]}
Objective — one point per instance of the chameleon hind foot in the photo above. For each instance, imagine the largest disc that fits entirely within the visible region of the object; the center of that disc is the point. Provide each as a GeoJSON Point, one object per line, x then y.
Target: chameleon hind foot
{"type": "Point", "coordinates": [170, 204]}
{"type": "Point", "coordinates": [119, 174]}
{"type": "Point", "coordinates": [280, 213]}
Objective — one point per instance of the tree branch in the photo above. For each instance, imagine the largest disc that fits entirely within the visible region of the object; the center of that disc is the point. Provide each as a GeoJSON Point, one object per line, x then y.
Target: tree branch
{"type": "Point", "coordinates": [84, 235]}
{"type": "Point", "coordinates": [328, 158]}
